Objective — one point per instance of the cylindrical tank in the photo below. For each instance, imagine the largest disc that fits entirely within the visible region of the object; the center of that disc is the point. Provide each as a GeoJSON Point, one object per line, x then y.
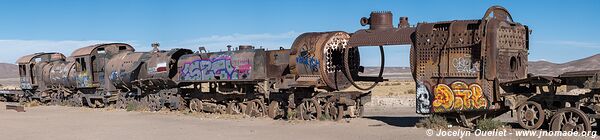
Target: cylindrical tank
{"type": "Point", "coordinates": [122, 69]}
{"type": "Point", "coordinates": [46, 70]}
{"type": "Point", "coordinates": [62, 74]}
{"type": "Point", "coordinates": [317, 58]}
{"type": "Point", "coordinates": [163, 64]}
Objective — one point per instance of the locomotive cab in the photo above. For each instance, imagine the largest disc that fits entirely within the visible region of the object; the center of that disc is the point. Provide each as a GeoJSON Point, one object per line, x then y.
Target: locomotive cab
{"type": "Point", "coordinates": [31, 69]}
{"type": "Point", "coordinates": [90, 73]}
{"type": "Point", "coordinates": [90, 62]}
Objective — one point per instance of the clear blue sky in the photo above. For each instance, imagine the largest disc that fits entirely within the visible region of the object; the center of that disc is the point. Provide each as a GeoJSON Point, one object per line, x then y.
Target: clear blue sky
{"type": "Point", "coordinates": [562, 30]}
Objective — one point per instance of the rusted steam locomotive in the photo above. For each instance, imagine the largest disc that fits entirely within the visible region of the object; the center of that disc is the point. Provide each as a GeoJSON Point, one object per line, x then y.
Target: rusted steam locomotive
{"type": "Point", "coordinates": [469, 69]}
{"type": "Point", "coordinates": [304, 82]}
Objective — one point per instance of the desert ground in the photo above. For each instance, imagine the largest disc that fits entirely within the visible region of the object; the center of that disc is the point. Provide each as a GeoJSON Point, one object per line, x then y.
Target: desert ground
{"type": "Point", "coordinates": [390, 115]}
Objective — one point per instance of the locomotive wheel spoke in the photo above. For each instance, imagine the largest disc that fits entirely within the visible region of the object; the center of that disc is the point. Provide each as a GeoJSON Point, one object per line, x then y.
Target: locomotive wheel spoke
{"type": "Point", "coordinates": [259, 109]}
{"type": "Point", "coordinates": [233, 108]}
{"type": "Point", "coordinates": [243, 108]}
{"type": "Point", "coordinates": [248, 108]}
{"type": "Point", "coordinates": [318, 105]}
{"type": "Point", "coordinates": [332, 111]}
{"type": "Point", "coordinates": [180, 103]}
{"type": "Point", "coordinates": [121, 102]}
{"type": "Point", "coordinates": [530, 115]}
{"type": "Point", "coordinates": [309, 110]}
{"type": "Point", "coordinates": [145, 102]}
{"type": "Point", "coordinates": [274, 110]}
{"type": "Point", "coordinates": [300, 111]}
{"type": "Point", "coordinates": [340, 114]}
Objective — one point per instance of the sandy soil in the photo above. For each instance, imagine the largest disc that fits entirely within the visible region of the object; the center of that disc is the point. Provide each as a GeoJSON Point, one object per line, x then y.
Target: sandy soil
{"type": "Point", "coordinates": [55, 122]}
{"type": "Point", "coordinates": [68, 123]}
{"type": "Point", "coordinates": [389, 115]}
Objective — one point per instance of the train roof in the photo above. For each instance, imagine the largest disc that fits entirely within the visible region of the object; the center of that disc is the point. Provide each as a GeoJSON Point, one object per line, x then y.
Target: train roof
{"type": "Point", "coordinates": [28, 58]}
{"type": "Point", "coordinates": [90, 49]}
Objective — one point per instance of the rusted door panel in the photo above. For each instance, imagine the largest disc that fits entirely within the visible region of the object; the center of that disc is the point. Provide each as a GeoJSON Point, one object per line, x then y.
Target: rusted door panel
{"type": "Point", "coordinates": [277, 62]}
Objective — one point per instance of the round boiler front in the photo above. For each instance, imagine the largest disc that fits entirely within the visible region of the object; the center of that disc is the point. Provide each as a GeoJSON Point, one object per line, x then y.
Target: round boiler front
{"type": "Point", "coordinates": [320, 54]}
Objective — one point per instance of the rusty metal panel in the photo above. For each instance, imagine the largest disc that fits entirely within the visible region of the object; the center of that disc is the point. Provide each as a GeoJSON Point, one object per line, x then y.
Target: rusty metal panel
{"type": "Point", "coordinates": [381, 31]}
{"type": "Point", "coordinates": [593, 82]}
{"type": "Point", "coordinates": [580, 79]}
{"type": "Point", "coordinates": [398, 36]}
{"type": "Point", "coordinates": [277, 62]}
{"type": "Point", "coordinates": [240, 65]}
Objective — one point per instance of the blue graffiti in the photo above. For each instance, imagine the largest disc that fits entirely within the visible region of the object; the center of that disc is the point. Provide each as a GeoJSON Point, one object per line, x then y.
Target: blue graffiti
{"type": "Point", "coordinates": [311, 62]}
{"type": "Point", "coordinates": [83, 80]}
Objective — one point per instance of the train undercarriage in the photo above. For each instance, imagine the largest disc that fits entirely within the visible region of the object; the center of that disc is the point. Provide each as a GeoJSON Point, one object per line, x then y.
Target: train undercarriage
{"type": "Point", "coordinates": [247, 98]}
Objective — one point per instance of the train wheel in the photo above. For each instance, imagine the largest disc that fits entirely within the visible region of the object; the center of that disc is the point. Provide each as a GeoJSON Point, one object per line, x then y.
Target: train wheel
{"type": "Point", "coordinates": [61, 98]}
{"type": "Point", "coordinates": [256, 108]}
{"type": "Point", "coordinates": [121, 102]}
{"type": "Point", "coordinates": [309, 110]}
{"type": "Point", "coordinates": [334, 111]}
{"type": "Point", "coordinates": [176, 102]}
{"type": "Point", "coordinates": [274, 111]}
{"type": "Point", "coordinates": [319, 105]}
{"type": "Point", "coordinates": [52, 99]}
{"type": "Point", "coordinates": [243, 107]}
{"type": "Point", "coordinates": [247, 108]}
{"type": "Point", "coordinates": [180, 103]}
{"type": "Point", "coordinates": [154, 102]}
{"type": "Point", "coordinates": [195, 105]}
{"type": "Point", "coordinates": [570, 119]}
{"type": "Point", "coordinates": [77, 100]}
{"type": "Point", "coordinates": [233, 108]}
{"type": "Point", "coordinates": [145, 102]}
{"type": "Point", "coordinates": [531, 115]}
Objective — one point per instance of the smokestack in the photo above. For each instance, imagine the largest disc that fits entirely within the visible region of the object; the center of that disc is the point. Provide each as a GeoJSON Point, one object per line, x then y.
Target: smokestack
{"type": "Point", "coordinates": [155, 46]}
{"type": "Point", "coordinates": [201, 49]}
{"type": "Point", "coordinates": [403, 22]}
{"type": "Point", "coordinates": [378, 20]}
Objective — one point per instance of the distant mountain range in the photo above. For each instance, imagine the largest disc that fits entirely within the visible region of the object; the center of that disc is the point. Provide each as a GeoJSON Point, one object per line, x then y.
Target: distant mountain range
{"type": "Point", "coordinates": [554, 69]}
{"type": "Point", "coordinates": [8, 71]}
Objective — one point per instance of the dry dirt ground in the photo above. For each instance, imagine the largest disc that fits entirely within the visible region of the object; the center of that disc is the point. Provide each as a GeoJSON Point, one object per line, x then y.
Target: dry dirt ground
{"type": "Point", "coordinates": [390, 115]}
{"type": "Point", "coordinates": [70, 123]}
{"type": "Point", "coordinates": [66, 123]}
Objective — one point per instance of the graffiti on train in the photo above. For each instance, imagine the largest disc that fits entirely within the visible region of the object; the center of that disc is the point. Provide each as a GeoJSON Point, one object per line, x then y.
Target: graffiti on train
{"type": "Point", "coordinates": [423, 98]}
{"type": "Point", "coordinates": [84, 80]}
{"type": "Point", "coordinates": [458, 96]}
{"type": "Point", "coordinates": [307, 58]}
{"type": "Point", "coordinates": [465, 65]}
{"type": "Point", "coordinates": [25, 83]}
{"type": "Point", "coordinates": [221, 67]}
